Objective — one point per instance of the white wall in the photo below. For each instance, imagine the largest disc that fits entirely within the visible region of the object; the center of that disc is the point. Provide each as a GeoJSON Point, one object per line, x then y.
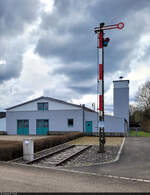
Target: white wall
{"type": "Point", "coordinates": [53, 105]}
{"type": "Point", "coordinates": [91, 116]}
{"type": "Point", "coordinates": [58, 120]}
{"type": "Point", "coordinates": [121, 99]}
{"type": "Point", "coordinates": [3, 124]}
{"type": "Point", "coordinates": [114, 124]}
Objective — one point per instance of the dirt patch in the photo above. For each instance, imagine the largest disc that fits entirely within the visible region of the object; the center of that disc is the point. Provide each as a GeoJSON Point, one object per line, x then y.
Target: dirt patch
{"type": "Point", "coordinates": [92, 140]}
{"type": "Point", "coordinates": [8, 144]}
{"type": "Point", "coordinates": [86, 140]}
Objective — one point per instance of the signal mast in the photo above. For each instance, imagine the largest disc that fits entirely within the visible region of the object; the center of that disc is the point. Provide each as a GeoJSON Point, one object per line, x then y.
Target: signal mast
{"type": "Point", "coordinates": [102, 42]}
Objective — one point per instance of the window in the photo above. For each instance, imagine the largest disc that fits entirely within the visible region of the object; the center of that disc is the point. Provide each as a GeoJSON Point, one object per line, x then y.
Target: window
{"type": "Point", "coordinates": [26, 124]}
{"type": "Point", "coordinates": [45, 123]}
{"type": "Point", "coordinates": [39, 123]}
{"type": "Point", "coordinates": [40, 106]}
{"type": "Point", "coordinates": [20, 123]}
{"type": "Point", "coordinates": [43, 106]}
{"type": "Point", "coordinates": [23, 123]}
{"type": "Point", "coordinates": [42, 123]}
{"type": "Point", "coordinates": [70, 122]}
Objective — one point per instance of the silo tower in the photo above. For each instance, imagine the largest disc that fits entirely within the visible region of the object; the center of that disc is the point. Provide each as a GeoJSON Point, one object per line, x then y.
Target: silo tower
{"type": "Point", "coordinates": [121, 99]}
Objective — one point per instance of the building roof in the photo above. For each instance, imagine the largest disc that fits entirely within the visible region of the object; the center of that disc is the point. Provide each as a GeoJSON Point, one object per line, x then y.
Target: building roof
{"type": "Point", "coordinates": [51, 99]}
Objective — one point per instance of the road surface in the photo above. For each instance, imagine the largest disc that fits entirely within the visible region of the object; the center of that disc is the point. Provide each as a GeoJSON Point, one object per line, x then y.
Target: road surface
{"type": "Point", "coordinates": [134, 163]}
{"type": "Point", "coordinates": [15, 178]}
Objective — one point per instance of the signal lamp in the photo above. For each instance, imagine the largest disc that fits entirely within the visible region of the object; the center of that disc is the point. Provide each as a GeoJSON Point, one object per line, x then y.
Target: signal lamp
{"type": "Point", "coordinates": [105, 42]}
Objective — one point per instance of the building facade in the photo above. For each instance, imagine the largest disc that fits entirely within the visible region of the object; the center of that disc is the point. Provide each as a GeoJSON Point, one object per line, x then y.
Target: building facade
{"type": "Point", "coordinates": [44, 114]}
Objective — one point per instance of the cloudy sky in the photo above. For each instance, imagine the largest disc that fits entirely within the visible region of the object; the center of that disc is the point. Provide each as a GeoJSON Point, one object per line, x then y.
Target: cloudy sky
{"type": "Point", "coordinates": [48, 48]}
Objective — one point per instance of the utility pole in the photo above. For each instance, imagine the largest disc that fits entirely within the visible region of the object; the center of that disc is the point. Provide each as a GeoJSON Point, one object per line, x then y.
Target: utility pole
{"type": "Point", "coordinates": [100, 81]}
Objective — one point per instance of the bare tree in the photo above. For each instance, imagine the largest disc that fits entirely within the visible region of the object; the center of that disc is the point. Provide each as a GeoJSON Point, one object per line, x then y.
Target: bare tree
{"type": "Point", "coordinates": [143, 96]}
{"type": "Point", "coordinates": [136, 115]}
{"type": "Point", "coordinates": [132, 109]}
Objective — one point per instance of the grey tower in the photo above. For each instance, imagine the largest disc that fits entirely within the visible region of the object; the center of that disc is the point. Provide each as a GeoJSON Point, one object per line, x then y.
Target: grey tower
{"type": "Point", "coordinates": [121, 99]}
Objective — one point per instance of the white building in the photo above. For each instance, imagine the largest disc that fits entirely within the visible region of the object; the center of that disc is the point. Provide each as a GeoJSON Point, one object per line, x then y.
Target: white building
{"type": "Point", "coordinates": [2, 124]}
{"type": "Point", "coordinates": [44, 114]}
{"type": "Point", "coordinates": [38, 116]}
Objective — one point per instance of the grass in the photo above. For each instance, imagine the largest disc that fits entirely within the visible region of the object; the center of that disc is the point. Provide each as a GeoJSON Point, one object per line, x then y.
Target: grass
{"type": "Point", "coordinates": [92, 140]}
{"type": "Point", "coordinates": [139, 133]}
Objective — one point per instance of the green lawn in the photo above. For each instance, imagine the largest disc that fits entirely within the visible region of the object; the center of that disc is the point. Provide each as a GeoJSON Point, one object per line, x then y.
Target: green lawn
{"type": "Point", "coordinates": [140, 133]}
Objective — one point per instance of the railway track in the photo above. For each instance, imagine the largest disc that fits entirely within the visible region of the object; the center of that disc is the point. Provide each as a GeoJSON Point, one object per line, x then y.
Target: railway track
{"type": "Point", "coordinates": [59, 156]}
{"type": "Point", "coordinates": [41, 153]}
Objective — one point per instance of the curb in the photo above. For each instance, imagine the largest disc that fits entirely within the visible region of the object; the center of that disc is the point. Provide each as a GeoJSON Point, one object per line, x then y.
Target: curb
{"type": "Point", "coordinates": [117, 157]}
{"type": "Point", "coordinates": [119, 152]}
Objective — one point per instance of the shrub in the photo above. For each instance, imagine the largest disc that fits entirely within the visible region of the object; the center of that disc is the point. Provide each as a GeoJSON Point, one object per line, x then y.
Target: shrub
{"type": "Point", "coordinates": [10, 150]}
{"type": "Point", "coordinates": [3, 132]}
{"type": "Point", "coordinates": [146, 120]}
{"type": "Point", "coordinates": [49, 142]}
{"type": "Point", "coordinates": [14, 149]}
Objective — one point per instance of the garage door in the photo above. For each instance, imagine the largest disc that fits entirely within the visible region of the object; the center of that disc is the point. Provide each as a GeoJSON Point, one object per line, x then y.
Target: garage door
{"type": "Point", "coordinates": [42, 126]}
{"type": "Point", "coordinates": [23, 127]}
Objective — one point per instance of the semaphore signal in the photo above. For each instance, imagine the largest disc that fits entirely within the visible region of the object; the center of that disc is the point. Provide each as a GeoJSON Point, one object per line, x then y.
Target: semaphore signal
{"type": "Point", "coordinates": [102, 42]}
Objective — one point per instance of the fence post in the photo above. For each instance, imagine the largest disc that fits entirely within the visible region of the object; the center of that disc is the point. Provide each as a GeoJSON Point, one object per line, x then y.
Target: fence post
{"type": "Point", "coordinates": [136, 131]}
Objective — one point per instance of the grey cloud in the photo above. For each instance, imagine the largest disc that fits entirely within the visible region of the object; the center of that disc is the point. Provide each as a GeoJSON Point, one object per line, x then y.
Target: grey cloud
{"type": "Point", "coordinates": [77, 72]}
{"type": "Point", "coordinates": [11, 52]}
{"type": "Point", "coordinates": [80, 76]}
{"type": "Point", "coordinates": [81, 49]}
{"type": "Point", "coordinates": [67, 23]}
{"type": "Point", "coordinates": [67, 33]}
{"type": "Point", "coordinates": [10, 69]}
{"type": "Point", "coordinates": [15, 97]}
{"type": "Point", "coordinates": [14, 15]}
{"type": "Point", "coordinates": [7, 72]}
{"type": "Point", "coordinates": [84, 90]}
{"type": "Point", "coordinates": [81, 45]}
{"type": "Point", "coordinates": [110, 12]}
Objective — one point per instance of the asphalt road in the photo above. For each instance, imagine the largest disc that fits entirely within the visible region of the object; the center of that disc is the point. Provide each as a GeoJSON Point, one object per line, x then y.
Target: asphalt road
{"type": "Point", "coordinates": [15, 178]}
{"type": "Point", "coordinates": [134, 162]}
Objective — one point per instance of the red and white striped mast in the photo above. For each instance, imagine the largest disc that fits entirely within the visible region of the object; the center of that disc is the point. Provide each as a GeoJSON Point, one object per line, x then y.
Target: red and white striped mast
{"type": "Point", "coordinates": [100, 81]}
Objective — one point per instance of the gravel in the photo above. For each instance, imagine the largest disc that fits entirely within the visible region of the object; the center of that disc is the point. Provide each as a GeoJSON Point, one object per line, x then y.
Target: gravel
{"type": "Point", "coordinates": [91, 156]}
